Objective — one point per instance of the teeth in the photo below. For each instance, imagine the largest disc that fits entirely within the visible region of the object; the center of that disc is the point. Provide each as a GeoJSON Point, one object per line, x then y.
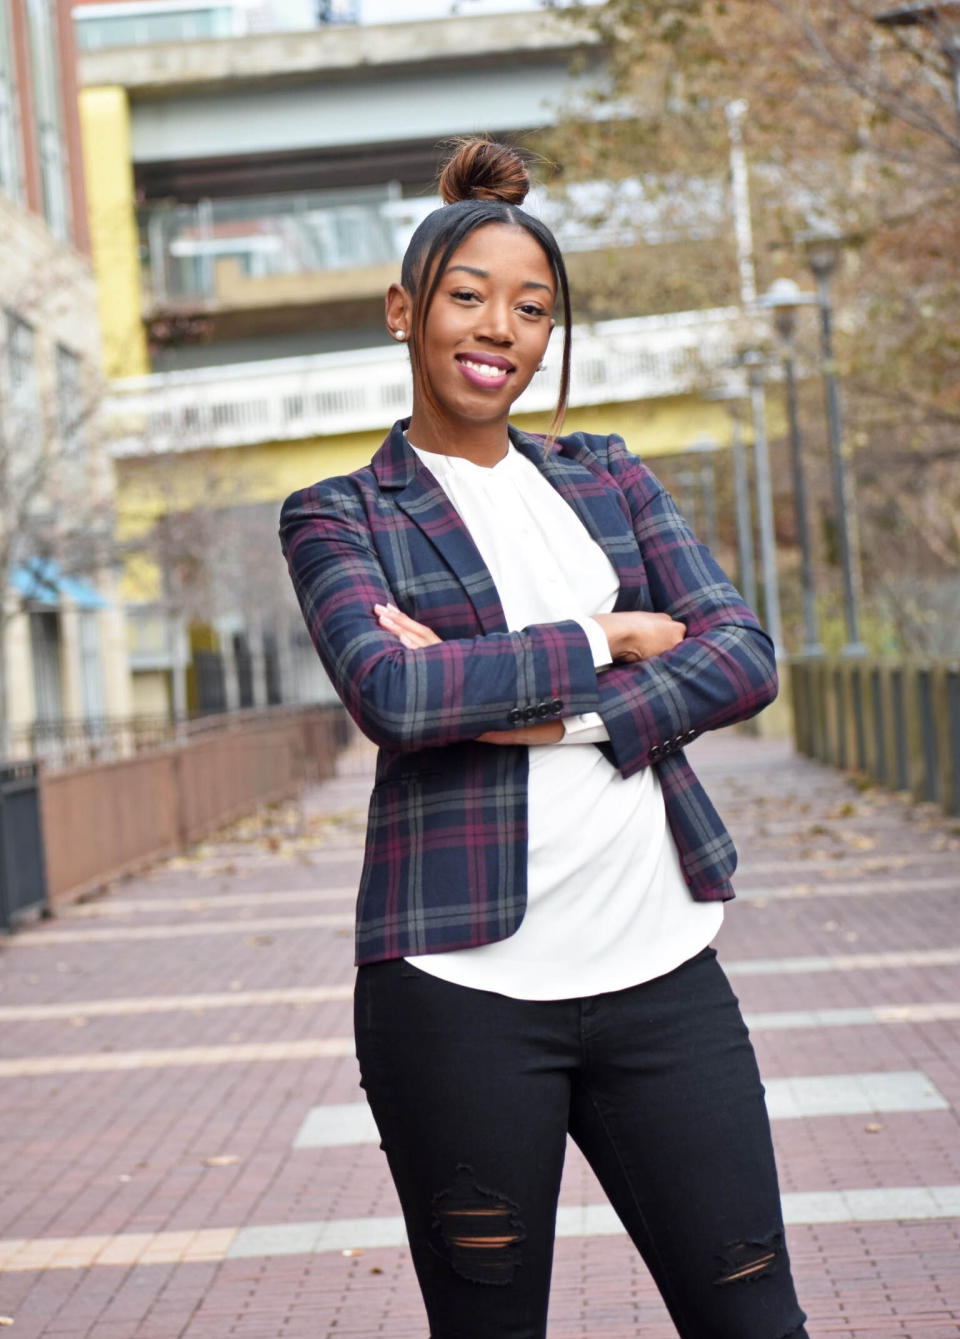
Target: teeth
{"type": "Point", "coordinates": [484, 369]}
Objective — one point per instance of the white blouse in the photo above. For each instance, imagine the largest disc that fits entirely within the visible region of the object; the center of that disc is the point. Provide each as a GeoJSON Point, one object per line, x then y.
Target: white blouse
{"type": "Point", "coordinates": [607, 904]}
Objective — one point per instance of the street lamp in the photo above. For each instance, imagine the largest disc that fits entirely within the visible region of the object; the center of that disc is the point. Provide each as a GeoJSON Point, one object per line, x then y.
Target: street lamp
{"type": "Point", "coordinates": [943, 19]}
{"type": "Point", "coordinates": [783, 299]}
{"type": "Point", "coordinates": [755, 363]}
{"type": "Point", "coordinates": [823, 255]}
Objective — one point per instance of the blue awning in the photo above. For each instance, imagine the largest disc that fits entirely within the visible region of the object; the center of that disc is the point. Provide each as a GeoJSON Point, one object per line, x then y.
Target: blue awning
{"type": "Point", "coordinates": [41, 580]}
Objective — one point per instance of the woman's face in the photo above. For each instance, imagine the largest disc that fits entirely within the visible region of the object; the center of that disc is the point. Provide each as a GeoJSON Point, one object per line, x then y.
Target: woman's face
{"type": "Point", "coordinates": [489, 324]}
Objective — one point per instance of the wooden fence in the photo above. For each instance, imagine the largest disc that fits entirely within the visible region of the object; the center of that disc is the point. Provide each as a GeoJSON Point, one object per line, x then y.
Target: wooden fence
{"type": "Point", "coordinates": [896, 721]}
{"type": "Point", "coordinates": [106, 819]}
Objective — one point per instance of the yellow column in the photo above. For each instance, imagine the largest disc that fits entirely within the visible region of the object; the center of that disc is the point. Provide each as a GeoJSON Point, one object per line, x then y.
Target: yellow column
{"type": "Point", "coordinates": [108, 167]}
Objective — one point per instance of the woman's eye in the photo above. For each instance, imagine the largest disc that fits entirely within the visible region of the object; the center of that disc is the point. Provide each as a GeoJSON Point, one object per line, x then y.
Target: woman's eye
{"type": "Point", "coordinates": [463, 294]}
{"type": "Point", "coordinates": [531, 309]}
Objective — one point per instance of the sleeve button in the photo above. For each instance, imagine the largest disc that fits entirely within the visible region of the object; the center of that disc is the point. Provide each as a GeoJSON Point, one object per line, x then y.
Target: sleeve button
{"type": "Point", "coordinates": [557, 705]}
{"type": "Point", "coordinates": [514, 715]}
{"type": "Point", "coordinates": [544, 710]}
{"type": "Point", "coordinates": [529, 713]}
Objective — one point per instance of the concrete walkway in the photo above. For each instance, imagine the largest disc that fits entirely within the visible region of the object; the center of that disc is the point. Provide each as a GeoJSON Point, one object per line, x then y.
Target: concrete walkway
{"type": "Point", "coordinates": [185, 1154]}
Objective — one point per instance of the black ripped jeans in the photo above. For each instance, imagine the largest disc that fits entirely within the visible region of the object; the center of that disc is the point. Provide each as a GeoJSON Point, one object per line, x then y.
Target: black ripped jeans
{"type": "Point", "coordinates": [474, 1094]}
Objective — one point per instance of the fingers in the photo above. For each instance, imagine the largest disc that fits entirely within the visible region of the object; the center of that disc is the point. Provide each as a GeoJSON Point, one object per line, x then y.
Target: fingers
{"type": "Point", "coordinates": [408, 631]}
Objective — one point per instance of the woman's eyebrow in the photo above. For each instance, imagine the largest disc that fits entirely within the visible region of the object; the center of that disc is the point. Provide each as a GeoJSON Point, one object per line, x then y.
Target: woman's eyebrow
{"type": "Point", "coordinates": [485, 274]}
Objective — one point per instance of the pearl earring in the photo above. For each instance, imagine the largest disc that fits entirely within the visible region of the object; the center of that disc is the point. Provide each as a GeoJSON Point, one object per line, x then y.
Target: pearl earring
{"type": "Point", "coordinates": [542, 367]}
{"type": "Point", "coordinates": [399, 334]}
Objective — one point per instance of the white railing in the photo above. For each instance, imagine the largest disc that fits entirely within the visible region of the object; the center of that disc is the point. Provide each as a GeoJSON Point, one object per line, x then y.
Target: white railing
{"type": "Point", "coordinates": [328, 394]}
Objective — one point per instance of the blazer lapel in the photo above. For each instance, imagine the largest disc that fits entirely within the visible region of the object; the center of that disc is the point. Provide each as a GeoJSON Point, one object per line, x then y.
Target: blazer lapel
{"type": "Point", "coordinates": [424, 502]}
{"type": "Point", "coordinates": [601, 506]}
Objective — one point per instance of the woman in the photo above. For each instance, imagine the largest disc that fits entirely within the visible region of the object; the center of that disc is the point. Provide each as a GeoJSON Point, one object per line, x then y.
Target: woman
{"type": "Point", "coordinates": [531, 634]}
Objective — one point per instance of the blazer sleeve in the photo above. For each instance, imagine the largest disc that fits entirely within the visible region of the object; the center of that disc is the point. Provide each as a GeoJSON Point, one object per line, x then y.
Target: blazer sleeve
{"type": "Point", "coordinates": [437, 695]}
{"type": "Point", "coordinates": [723, 671]}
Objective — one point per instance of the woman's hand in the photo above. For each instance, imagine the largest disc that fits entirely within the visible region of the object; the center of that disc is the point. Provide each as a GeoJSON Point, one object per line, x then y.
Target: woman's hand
{"type": "Point", "coordinates": [408, 631]}
{"type": "Point", "coordinates": [638, 634]}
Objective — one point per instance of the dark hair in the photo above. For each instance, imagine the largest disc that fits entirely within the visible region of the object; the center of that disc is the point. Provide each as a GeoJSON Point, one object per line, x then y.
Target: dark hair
{"type": "Point", "coordinates": [482, 182]}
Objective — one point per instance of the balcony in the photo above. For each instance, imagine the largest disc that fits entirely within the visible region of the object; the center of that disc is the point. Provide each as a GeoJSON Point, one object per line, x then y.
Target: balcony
{"type": "Point", "coordinates": [274, 250]}
{"type": "Point", "coordinates": [281, 250]}
{"type": "Point", "coordinates": [332, 394]}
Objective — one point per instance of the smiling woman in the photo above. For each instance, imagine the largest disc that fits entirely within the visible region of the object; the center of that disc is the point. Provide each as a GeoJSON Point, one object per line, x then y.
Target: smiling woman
{"type": "Point", "coordinates": [531, 633]}
{"type": "Point", "coordinates": [488, 276]}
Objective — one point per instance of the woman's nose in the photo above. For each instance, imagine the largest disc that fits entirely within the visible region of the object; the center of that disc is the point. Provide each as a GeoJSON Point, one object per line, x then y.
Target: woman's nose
{"type": "Point", "coordinates": [495, 324]}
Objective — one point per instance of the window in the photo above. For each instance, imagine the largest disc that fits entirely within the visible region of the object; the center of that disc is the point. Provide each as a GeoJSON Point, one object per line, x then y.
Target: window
{"type": "Point", "coordinates": [22, 378]}
{"type": "Point", "coordinates": [45, 65]}
{"type": "Point", "coordinates": [9, 156]}
{"type": "Point", "coordinates": [132, 25]}
{"type": "Point", "coordinates": [71, 405]}
{"type": "Point", "coordinates": [91, 669]}
{"type": "Point", "coordinates": [45, 648]}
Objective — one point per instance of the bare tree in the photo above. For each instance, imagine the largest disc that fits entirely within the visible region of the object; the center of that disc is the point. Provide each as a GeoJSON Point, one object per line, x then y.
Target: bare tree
{"type": "Point", "coordinates": [853, 125]}
{"type": "Point", "coordinates": [56, 508]}
{"type": "Point", "coordinates": [210, 546]}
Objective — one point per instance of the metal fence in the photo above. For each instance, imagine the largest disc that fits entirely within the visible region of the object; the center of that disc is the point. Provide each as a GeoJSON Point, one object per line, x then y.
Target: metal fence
{"type": "Point", "coordinates": [109, 818]}
{"type": "Point", "coordinates": [896, 721]}
{"type": "Point", "coordinates": [23, 886]}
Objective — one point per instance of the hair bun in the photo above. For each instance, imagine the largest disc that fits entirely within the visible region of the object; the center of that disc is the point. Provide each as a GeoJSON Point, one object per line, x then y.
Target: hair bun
{"type": "Point", "coordinates": [482, 169]}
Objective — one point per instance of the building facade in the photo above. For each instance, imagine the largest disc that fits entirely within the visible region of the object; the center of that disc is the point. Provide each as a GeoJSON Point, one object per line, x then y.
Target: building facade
{"type": "Point", "coordinates": [250, 200]}
{"type": "Point", "coordinates": [62, 634]}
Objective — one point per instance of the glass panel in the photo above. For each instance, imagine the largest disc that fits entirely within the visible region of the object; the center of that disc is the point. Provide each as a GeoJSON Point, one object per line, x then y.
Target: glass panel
{"type": "Point", "coordinates": [45, 647]}
{"type": "Point", "coordinates": [71, 416]}
{"type": "Point", "coordinates": [9, 154]}
{"type": "Point", "coordinates": [219, 248]}
{"type": "Point", "coordinates": [45, 64]}
{"type": "Point", "coordinates": [91, 668]}
{"type": "Point", "coordinates": [175, 25]}
{"type": "Point", "coordinates": [22, 376]}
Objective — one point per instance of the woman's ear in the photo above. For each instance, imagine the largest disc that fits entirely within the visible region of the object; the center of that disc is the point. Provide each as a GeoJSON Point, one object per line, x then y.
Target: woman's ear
{"type": "Point", "coordinates": [399, 313]}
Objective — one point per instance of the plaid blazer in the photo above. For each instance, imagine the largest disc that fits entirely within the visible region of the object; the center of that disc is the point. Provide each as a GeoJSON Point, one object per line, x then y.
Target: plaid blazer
{"type": "Point", "coordinates": [446, 851]}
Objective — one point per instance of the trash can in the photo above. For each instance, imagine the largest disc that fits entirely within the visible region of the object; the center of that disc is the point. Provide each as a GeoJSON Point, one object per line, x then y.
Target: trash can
{"type": "Point", "coordinates": [23, 871]}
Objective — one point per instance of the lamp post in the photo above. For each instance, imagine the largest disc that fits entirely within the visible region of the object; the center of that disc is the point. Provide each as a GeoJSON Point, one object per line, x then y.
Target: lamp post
{"type": "Point", "coordinates": [783, 298]}
{"type": "Point", "coordinates": [823, 256]}
{"type": "Point", "coordinates": [943, 19]}
{"type": "Point", "coordinates": [755, 363]}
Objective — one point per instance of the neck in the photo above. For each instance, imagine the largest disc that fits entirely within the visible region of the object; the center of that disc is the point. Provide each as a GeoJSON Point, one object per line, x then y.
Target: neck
{"type": "Point", "coordinates": [482, 443]}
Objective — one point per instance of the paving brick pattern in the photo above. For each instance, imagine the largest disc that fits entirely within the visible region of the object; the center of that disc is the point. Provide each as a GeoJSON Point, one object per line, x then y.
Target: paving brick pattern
{"type": "Point", "coordinates": [96, 1162]}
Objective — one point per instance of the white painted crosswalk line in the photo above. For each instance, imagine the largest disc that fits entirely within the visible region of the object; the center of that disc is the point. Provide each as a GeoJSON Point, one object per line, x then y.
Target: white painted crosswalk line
{"type": "Point", "coordinates": [787, 1099]}
{"type": "Point", "coordinates": [890, 1205]}
{"type": "Point", "coordinates": [897, 1204]}
{"type": "Point", "coordinates": [842, 962]}
{"type": "Point", "coordinates": [852, 1095]}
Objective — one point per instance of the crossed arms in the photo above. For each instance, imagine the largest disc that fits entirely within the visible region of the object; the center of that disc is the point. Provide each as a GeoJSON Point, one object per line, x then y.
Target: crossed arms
{"type": "Point", "coordinates": [444, 691]}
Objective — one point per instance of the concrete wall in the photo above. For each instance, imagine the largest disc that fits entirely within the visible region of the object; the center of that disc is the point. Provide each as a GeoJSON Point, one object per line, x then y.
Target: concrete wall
{"type": "Point", "coordinates": [323, 114]}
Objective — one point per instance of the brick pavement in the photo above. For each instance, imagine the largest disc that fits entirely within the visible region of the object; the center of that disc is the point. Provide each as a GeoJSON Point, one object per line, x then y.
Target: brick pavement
{"type": "Point", "coordinates": [162, 1046]}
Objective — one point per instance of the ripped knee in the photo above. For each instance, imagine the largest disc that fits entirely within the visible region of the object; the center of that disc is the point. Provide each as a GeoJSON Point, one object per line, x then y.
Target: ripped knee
{"type": "Point", "coordinates": [744, 1261]}
{"type": "Point", "coordinates": [479, 1231]}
